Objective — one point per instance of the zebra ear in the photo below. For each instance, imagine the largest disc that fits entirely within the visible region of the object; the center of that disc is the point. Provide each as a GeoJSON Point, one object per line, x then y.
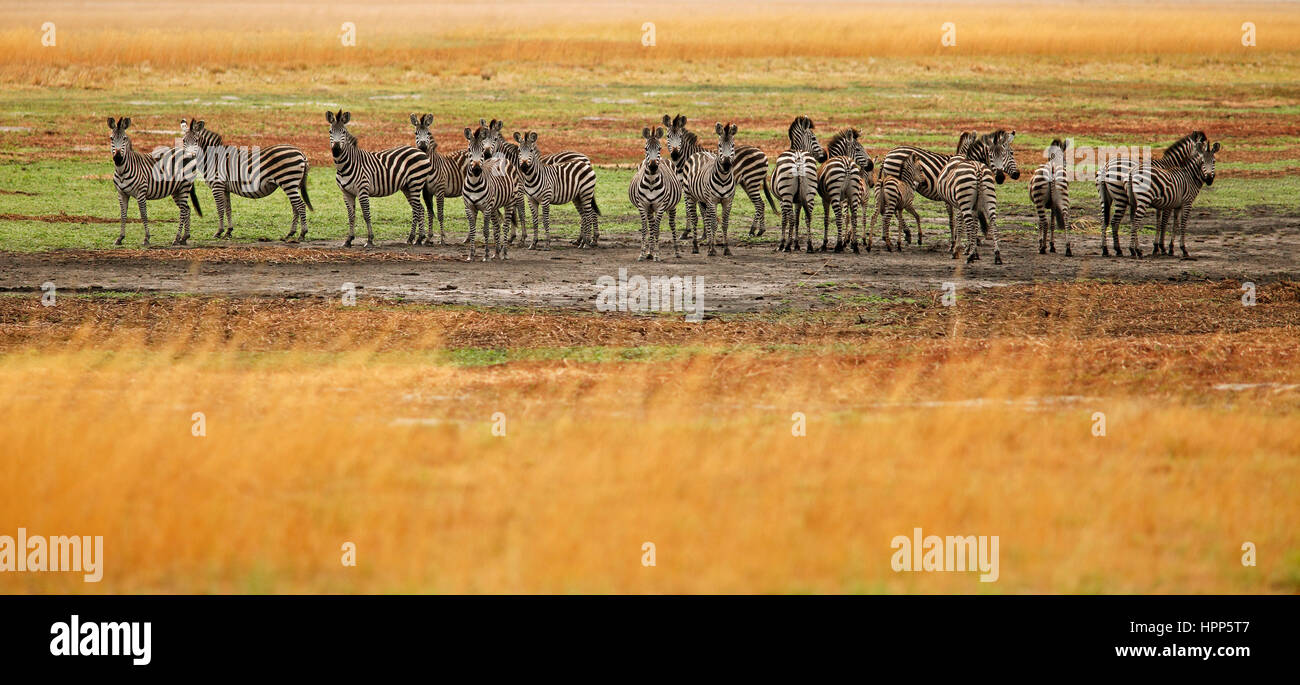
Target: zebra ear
{"type": "Point", "coordinates": [112, 125]}
{"type": "Point", "coordinates": [468, 135]}
{"type": "Point", "coordinates": [347, 116]}
{"type": "Point", "coordinates": [1011, 136]}
{"type": "Point", "coordinates": [645, 133]}
{"type": "Point", "coordinates": [717, 127]}
{"type": "Point", "coordinates": [1214, 148]}
{"type": "Point", "coordinates": [427, 120]}
{"type": "Point", "coordinates": [496, 126]}
{"type": "Point", "coordinates": [532, 136]}
{"type": "Point", "coordinates": [659, 133]}
{"type": "Point", "coordinates": [680, 121]}
{"type": "Point", "coordinates": [126, 123]}
{"type": "Point", "coordinates": [518, 138]}
{"type": "Point", "coordinates": [329, 116]}
{"type": "Point", "coordinates": [414, 120]}
{"type": "Point", "coordinates": [731, 130]}
{"type": "Point", "coordinates": [667, 121]}
{"type": "Point", "coordinates": [198, 126]}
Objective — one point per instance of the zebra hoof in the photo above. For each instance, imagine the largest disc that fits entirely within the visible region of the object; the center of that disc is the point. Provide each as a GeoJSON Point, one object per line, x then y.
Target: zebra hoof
{"type": "Point", "coordinates": [369, 244]}
{"type": "Point", "coordinates": [117, 242]}
{"type": "Point", "coordinates": [726, 251]}
{"type": "Point", "coordinates": [761, 231]}
{"type": "Point", "coordinates": [997, 257]}
{"type": "Point", "coordinates": [347, 243]}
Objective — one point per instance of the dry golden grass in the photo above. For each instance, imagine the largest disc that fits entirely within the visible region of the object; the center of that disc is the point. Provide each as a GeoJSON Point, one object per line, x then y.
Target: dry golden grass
{"type": "Point", "coordinates": [95, 41]}
{"type": "Point", "coordinates": [344, 437]}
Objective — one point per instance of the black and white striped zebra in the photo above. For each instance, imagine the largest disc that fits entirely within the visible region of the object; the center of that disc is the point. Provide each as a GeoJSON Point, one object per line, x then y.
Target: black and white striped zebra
{"type": "Point", "coordinates": [1170, 187]}
{"type": "Point", "coordinates": [711, 182]}
{"type": "Point", "coordinates": [168, 173]}
{"type": "Point", "coordinates": [555, 183]}
{"type": "Point", "coordinates": [510, 150]}
{"type": "Point", "coordinates": [491, 187]}
{"type": "Point", "coordinates": [362, 174]}
{"type": "Point", "coordinates": [967, 186]}
{"type": "Point", "coordinates": [750, 170]}
{"type": "Point", "coordinates": [654, 191]}
{"type": "Point", "coordinates": [446, 173]}
{"type": "Point", "coordinates": [794, 181]}
{"type": "Point", "coordinates": [893, 195]}
{"type": "Point", "coordinates": [991, 149]}
{"type": "Point", "coordinates": [1112, 178]}
{"type": "Point", "coordinates": [838, 183]}
{"type": "Point", "coordinates": [238, 171]}
{"type": "Point", "coordinates": [1049, 191]}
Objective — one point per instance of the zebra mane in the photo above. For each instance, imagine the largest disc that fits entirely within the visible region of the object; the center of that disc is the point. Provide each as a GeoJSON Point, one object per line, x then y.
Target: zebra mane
{"type": "Point", "coordinates": [839, 138]}
{"type": "Point", "coordinates": [689, 138]}
{"type": "Point", "coordinates": [1180, 151]}
{"type": "Point", "coordinates": [797, 123]}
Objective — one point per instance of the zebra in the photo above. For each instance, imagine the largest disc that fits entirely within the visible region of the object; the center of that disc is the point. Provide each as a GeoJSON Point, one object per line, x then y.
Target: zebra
{"type": "Point", "coordinates": [1049, 190]}
{"type": "Point", "coordinates": [1170, 186]}
{"type": "Point", "coordinates": [230, 171]}
{"type": "Point", "coordinates": [893, 195]}
{"type": "Point", "coordinates": [491, 186]}
{"type": "Point", "coordinates": [711, 181]}
{"type": "Point", "coordinates": [966, 186]}
{"type": "Point", "coordinates": [362, 174]}
{"type": "Point", "coordinates": [991, 149]}
{"type": "Point", "coordinates": [548, 183]}
{"type": "Point", "coordinates": [511, 152]}
{"type": "Point", "coordinates": [167, 173]}
{"type": "Point", "coordinates": [655, 189]}
{"type": "Point", "coordinates": [837, 183]}
{"type": "Point", "coordinates": [446, 172]}
{"type": "Point", "coordinates": [794, 179]}
{"type": "Point", "coordinates": [750, 170]}
{"type": "Point", "coordinates": [1112, 179]}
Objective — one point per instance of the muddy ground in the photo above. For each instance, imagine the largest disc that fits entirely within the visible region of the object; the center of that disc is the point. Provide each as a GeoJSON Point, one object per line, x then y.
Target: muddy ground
{"type": "Point", "coordinates": [754, 278]}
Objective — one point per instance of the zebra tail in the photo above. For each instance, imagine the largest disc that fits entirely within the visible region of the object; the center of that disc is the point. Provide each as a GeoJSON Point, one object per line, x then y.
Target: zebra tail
{"type": "Point", "coordinates": [594, 208]}
{"type": "Point", "coordinates": [428, 200]}
{"type": "Point", "coordinates": [768, 193]}
{"type": "Point", "coordinates": [194, 198]}
{"type": "Point", "coordinates": [305, 198]}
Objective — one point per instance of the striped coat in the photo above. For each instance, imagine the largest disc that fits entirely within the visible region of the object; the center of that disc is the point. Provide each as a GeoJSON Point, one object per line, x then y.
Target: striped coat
{"type": "Point", "coordinates": [362, 174]}
{"type": "Point", "coordinates": [233, 171]}
{"type": "Point", "coordinates": [1170, 185]}
{"type": "Point", "coordinates": [1049, 191]}
{"type": "Point", "coordinates": [169, 173]}
{"type": "Point", "coordinates": [654, 191]}
{"type": "Point", "coordinates": [711, 182]}
{"type": "Point", "coordinates": [546, 183]}
{"type": "Point", "coordinates": [491, 187]}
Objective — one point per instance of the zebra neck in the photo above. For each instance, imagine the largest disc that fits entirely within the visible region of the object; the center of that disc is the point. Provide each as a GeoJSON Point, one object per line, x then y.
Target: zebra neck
{"type": "Point", "coordinates": [350, 155]}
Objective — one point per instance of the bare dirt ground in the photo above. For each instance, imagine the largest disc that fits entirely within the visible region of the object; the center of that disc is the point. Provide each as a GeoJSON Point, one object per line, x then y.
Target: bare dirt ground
{"type": "Point", "coordinates": [754, 279]}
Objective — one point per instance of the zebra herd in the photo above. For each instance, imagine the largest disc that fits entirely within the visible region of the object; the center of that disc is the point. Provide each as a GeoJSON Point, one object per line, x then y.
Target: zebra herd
{"type": "Point", "coordinates": [499, 179]}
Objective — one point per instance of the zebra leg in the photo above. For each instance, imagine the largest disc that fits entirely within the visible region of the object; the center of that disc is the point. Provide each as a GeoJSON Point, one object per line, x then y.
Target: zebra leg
{"type": "Point", "coordinates": [295, 206]}
{"type": "Point", "coordinates": [1105, 221]}
{"type": "Point", "coordinates": [532, 246]}
{"type": "Point", "coordinates": [655, 218]}
{"type": "Point", "coordinates": [364, 200]}
{"type": "Point", "coordinates": [417, 214]}
{"type": "Point", "coordinates": [806, 204]}
{"type": "Point", "coordinates": [218, 197]}
{"type": "Point", "coordinates": [471, 217]}
{"type": "Point", "coordinates": [972, 237]}
{"type": "Point", "coordinates": [826, 223]}
{"type": "Point", "coordinates": [595, 222]}
{"type": "Point", "coordinates": [917, 217]}
{"type": "Point", "coordinates": [442, 231]}
{"type": "Point", "coordinates": [503, 246]}
{"type": "Point", "coordinates": [1114, 225]}
{"type": "Point", "coordinates": [692, 219]}
{"type": "Point", "coordinates": [871, 227]}
{"type": "Point", "coordinates": [710, 216]}
{"type": "Point", "coordinates": [488, 244]}
{"type": "Point", "coordinates": [884, 230]}
{"type": "Point", "coordinates": [1180, 212]}
{"type": "Point", "coordinates": [302, 212]}
{"type": "Point", "coordinates": [350, 201]}
{"type": "Point", "coordinates": [952, 231]}
{"type": "Point", "coordinates": [839, 224]}
{"type": "Point", "coordinates": [781, 246]}
{"type": "Point", "coordinates": [1139, 212]}
{"type": "Point", "coordinates": [1158, 245]}
{"type": "Point", "coordinates": [758, 226]}
{"type": "Point", "coordinates": [123, 201]}
{"type": "Point", "coordinates": [672, 229]}
{"type": "Point", "coordinates": [853, 225]}
{"type": "Point", "coordinates": [230, 217]}
{"type": "Point", "coordinates": [645, 233]}
{"type": "Point", "coordinates": [1182, 233]}
{"type": "Point", "coordinates": [992, 227]}
{"type": "Point", "coordinates": [1051, 240]}
{"type": "Point", "coordinates": [144, 218]}
{"type": "Point", "coordinates": [1065, 230]}
{"type": "Point", "coordinates": [546, 224]}
{"type": "Point", "coordinates": [726, 223]}
{"type": "Point", "coordinates": [898, 242]}
{"type": "Point", "coordinates": [1042, 230]}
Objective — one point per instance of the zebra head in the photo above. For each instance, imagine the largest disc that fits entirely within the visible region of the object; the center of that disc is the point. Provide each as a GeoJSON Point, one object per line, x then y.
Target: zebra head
{"type": "Point", "coordinates": [675, 138]}
{"type": "Point", "coordinates": [653, 154]}
{"type": "Point", "coordinates": [1000, 156]}
{"type": "Point", "coordinates": [1056, 151]}
{"type": "Point", "coordinates": [528, 154]}
{"type": "Point", "coordinates": [119, 143]}
{"type": "Point", "coordinates": [339, 136]}
{"type": "Point", "coordinates": [803, 137]}
{"type": "Point", "coordinates": [910, 172]}
{"type": "Point", "coordinates": [479, 152]}
{"type": "Point", "coordinates": [197, 137]}
{"type": "Point", "coordinates": [1206, 153]}
{"type": "Point", "coordinates": [726, 146]}
{"type": "Point", "coordinates": [846, 144]}
{"type": "Point", "coordinates": [423, 137]}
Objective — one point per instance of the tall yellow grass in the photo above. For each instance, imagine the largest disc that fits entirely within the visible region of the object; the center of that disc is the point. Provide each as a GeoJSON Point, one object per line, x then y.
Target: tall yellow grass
{"type": "Point", "coordinates": [448, 37]}
{"type": "Point", "coordinates": [393, 451]}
